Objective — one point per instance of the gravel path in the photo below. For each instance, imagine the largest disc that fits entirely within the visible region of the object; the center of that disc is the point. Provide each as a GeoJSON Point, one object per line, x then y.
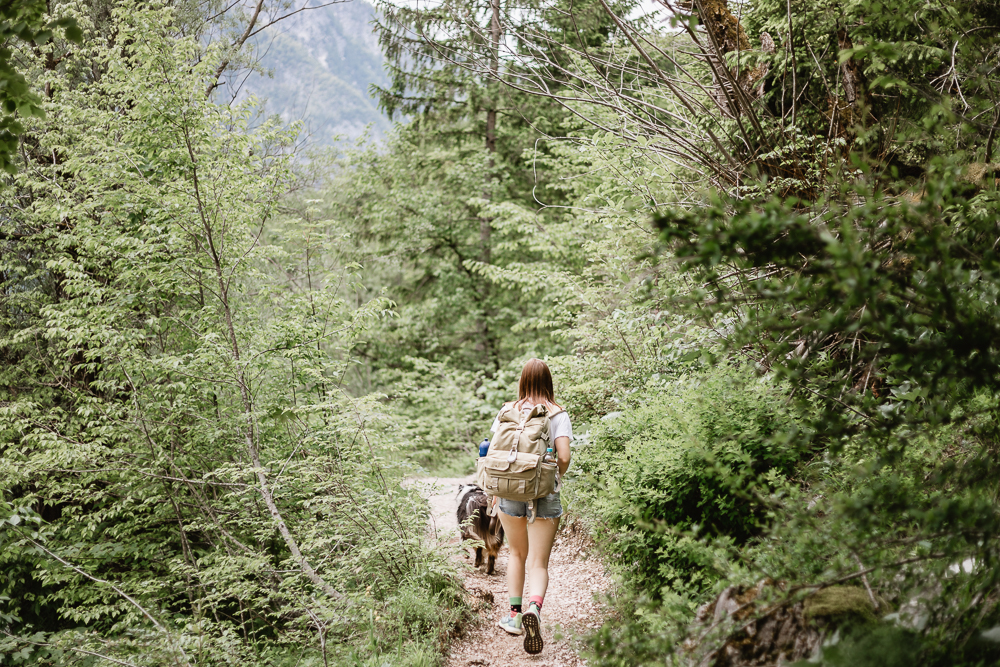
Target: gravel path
{"type": "Point", "coordinates": [576, 574]}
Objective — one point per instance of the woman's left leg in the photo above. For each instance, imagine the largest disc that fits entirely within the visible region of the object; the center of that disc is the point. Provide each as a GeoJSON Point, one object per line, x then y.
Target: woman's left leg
{"type": "Point", "coordinates": [517, 551]}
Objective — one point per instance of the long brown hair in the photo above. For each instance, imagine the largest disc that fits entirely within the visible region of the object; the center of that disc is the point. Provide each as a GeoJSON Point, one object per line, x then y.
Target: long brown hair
{"type": "Point", "coordinates": [536, 383]}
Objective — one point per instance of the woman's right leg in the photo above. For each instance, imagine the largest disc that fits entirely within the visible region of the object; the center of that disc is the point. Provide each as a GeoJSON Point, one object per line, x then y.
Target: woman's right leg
{"type": "Point", "coordinates": [542, 534]}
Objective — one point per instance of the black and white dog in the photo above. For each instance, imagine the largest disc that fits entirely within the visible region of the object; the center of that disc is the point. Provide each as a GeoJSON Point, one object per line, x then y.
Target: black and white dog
{"type": "Point", "coordinates": [475, 524]}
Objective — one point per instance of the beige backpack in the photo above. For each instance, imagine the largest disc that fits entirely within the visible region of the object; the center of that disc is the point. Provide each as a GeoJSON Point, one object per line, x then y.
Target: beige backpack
{"type": "Point", "coordinates": [513, 468]}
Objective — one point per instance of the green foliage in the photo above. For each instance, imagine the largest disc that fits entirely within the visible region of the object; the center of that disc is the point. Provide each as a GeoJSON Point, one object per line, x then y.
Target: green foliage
{"type": "Point", "coordinates": [24, 23]}
{"type": "Point", "coordinates": [183, 478]}
{"type": "Point", "coordinates": [882, 320]}
{"type": "Point", "coordinates": [847, 259]}
{"type": "Point", "coordinates": [682, 463]}
{"type": "Point", "coordinates": [210, 393]}
{"type": "Point", "coordinates": [412, 219]}
{"type": "Point", "coordinates": [443, 413]}
{"type": "Point", "coordinates": [433, 264]}
{"type": "Point", "coordinates": [864, 646]}
{"type": "Point", "coordinates": [865, 283]}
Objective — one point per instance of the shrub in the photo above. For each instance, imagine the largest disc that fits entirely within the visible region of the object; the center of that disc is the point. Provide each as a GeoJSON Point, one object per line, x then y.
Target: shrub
{"type": "Point", "coordinates": [682, 464]}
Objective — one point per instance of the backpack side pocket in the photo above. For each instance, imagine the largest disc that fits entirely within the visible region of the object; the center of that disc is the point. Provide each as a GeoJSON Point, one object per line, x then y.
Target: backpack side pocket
{"type": "Point", "coordinates": [546, 479]}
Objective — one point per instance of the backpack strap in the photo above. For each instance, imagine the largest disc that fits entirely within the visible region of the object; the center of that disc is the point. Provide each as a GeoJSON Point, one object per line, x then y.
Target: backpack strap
{"type": "Point", "coordinates": [520, 427]}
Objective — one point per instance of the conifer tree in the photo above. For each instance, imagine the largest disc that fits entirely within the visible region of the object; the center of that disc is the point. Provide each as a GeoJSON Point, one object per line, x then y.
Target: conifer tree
{"type": "Point", "coordinates": [448, 65]}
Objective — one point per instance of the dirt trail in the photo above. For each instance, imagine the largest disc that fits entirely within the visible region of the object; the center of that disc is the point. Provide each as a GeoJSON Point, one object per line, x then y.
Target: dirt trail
{"type": "Point", "coordinates": [575, 576]}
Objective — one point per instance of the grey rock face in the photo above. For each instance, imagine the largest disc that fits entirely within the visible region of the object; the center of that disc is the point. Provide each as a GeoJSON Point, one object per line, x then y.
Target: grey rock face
{"type": "Point", "coordinates": [321, 63]}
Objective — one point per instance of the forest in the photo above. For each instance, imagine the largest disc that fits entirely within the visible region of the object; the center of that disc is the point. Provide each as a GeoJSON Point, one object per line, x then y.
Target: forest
{"type": "Point", "coordinates": [755, 240]}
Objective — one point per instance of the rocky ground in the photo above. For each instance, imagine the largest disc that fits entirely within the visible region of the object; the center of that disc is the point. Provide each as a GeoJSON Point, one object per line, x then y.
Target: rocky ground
{"type": "Point", "coordinates": [576, 576]}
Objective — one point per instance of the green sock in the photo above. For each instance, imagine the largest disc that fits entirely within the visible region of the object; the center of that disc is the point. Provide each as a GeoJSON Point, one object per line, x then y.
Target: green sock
{"type": "Point", "coordinates": [515, 606]}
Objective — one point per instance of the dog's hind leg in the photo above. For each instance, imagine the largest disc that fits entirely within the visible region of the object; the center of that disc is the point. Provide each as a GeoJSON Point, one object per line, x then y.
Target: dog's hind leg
{"type": "Point", "coordinates": [479, 556]}
{"type": "Point", "coordinates": [490, 564]}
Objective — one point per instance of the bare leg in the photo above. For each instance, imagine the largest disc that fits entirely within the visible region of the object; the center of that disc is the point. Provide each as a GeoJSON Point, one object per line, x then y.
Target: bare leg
{"type": "Point", "coordinates": [516, 530]}
{"type": "Point", "coordinates": [541, 534]}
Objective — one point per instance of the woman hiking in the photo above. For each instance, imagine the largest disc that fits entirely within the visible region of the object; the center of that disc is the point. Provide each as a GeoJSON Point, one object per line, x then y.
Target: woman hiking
{"type": "Point", "coordinates": [530, 538]}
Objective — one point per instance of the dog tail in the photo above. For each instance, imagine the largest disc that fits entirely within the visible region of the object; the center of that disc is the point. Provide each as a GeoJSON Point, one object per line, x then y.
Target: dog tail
{"type": "Point", "coordinates": [484, 521]}
{"type": "Point", "coordinates": [494, 539]}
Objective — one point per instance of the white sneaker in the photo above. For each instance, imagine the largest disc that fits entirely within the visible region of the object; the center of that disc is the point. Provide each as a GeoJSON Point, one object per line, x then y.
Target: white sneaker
{"type": "Point", "coordinates": [511, 624]}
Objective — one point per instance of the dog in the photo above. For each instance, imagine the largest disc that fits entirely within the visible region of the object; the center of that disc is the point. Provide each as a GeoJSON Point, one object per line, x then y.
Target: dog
{"type": "Point", "coordinates": [475, 524]}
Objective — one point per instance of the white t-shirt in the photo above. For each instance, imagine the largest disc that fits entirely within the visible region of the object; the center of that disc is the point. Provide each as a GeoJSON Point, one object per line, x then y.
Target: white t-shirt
{"type": "Point", "coordinates": [559, 425]}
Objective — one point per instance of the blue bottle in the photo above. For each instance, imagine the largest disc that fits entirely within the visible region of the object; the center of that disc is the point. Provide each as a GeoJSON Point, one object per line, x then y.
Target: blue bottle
{"type": "Point", "coordinates": [484, 447]}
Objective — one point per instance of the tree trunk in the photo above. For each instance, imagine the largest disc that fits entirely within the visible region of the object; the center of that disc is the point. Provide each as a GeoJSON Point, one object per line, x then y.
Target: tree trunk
{"type": "Point", "coordinates": [485, 222]}
{"type": "Point", "coordinates": [485, 228]}
{"type": "Point", "coordinates": [725, 35]}
{"type": "Point", "coordinates": [853, 81]}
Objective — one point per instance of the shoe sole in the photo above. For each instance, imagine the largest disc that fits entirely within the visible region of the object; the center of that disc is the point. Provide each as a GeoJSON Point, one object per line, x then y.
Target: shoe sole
{"type": "Point", "coordinates": [532, 634]}
{"type": "Point", "coordinates": [509, 631]}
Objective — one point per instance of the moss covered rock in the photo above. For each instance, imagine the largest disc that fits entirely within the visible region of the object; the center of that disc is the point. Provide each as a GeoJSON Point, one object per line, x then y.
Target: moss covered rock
{"type": "Point", "coordinates": [840, 604]}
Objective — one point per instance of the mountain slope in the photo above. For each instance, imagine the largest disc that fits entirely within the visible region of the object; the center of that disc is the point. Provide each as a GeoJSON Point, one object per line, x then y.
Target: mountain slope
{"type": "Point", "coordinates": [321, 63]}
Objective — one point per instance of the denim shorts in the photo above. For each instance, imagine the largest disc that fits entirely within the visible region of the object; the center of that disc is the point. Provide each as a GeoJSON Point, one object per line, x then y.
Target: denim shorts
{"type": "Point", "coordinates": [548, 507]}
